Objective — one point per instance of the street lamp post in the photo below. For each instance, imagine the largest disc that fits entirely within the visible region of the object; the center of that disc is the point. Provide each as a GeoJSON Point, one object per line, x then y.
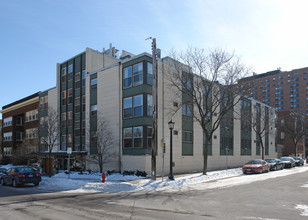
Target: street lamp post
{"type": "Point", "coordinates": [171, 126]}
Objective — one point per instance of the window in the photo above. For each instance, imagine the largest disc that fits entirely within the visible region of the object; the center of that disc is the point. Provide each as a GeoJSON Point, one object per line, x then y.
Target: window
{"type": "Point", "coordinates": [70, 68]}
{"type": "Point", "coordinates": [7, 122]}
{"type": "Point", "coordinates": [63, 142]}
{"type": "Point", "coordinates": [18, 136]}
{"type": "Point", "coordinates": [186, 110]}
{"type": "Point", "coordinates": [267, 80]}
{"type": "Point", "coordinates": [282, 135]}
{"type": "Point", "coordinates": [77, 76]}
{"type": "Point", "coordinates": [128, 137]}
{"type": "Point", "coordinates": [31, 133]}
{"type": "Point", "coordinates": [7, 136]}
{"type": "Point", "coordinates": [138, 137]}
{"type": "Point", "coordinates": [128, 107]}
{"type": "Point", "coordinates": [83, 78]}
{"type": "Point", "coordinates": [138, 105]}
{"type": "Point", "coordinates": [133, 106]}
{"type": "Point", "coordinates": [282, 122]}
{"type": "Point", "coordinates": [69, 138]}
{"type": "Point", "coordinates": [93, 83]}
{"type": "Point", "coordinates": [150, 73]}
{"type": "Point", "coordinates": [63, 116]}
{"type": "Point", "coordinates": [133, 137]}
{"type": "Point", "coordinates": [138, 74]}
{"type": "Point", "coordinates": [77, 101]}
{"type": "Point", "coordinates": [70, 95]}
{"type": "Point", "coordinates": [127, 77]}
{"type": "Point", "coordinates": [64, 71]}
{"type": "Point", "coordinates": [187, 136]}
{"type": "Point", "coordinates": [31, 116]}
{"type": "Point", "coordinates": [150, 105]}
{"type": "Point", "coordinates": [70, 115]}
{"type": "Point", "coordinates": [93, 110]}
{"type": "Point", "coordinates": [7, 151]}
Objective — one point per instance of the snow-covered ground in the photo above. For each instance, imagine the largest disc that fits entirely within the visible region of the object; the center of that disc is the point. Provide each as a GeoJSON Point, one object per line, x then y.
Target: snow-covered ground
{"type": "Point", "coordinates": [118, 183]}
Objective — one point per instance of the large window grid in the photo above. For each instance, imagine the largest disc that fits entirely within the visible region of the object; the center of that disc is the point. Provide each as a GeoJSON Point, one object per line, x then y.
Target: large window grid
{"type": "Point", "coordinates": [133, 75]}
{"type": "Point", "coordinates": [133, 137]}
{"type": "Point", "coordinates": [31, 115]}
{"type": "Point", "coordinates": [133, 106]}
{"type": "Point", "coordinates": [7, 122]}
{"type": "Point", "coordinates": [7, 136]}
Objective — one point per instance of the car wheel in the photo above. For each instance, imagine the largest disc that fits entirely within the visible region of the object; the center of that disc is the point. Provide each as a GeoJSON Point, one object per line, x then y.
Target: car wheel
{"type": "Point", "coordinates": [2, 182]}
{"type": "Point", "coordinates": [37, 183]}
{"type": "Point", "coordinates": [14, 183]}
{"type": "Point", "coordinates": [261, 171]}
{"type": "Point", "coordinates": [275, 168]}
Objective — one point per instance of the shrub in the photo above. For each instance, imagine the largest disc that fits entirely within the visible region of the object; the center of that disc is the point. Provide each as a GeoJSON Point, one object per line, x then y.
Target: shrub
{"type": "Point", "coordinates": [127, 173]}
{"type": "Point", "coordinates": [109, 172]}
{"type": "Point", "coordinates": [141, 173]}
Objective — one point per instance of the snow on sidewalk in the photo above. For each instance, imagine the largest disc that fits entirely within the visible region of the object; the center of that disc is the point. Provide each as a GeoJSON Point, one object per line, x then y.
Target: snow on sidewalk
{"type": "Point", "coordinates": [119, 183]}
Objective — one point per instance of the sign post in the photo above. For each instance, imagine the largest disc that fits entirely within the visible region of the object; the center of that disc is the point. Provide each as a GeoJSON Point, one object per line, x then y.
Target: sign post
{"type": "Point", "coordinates": [69, 152]}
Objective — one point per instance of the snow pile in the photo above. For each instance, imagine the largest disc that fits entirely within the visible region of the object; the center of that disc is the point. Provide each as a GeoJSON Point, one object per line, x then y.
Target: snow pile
{"type": "Point", "coordinates": [304, 209]}
{"type": "Point", "coordinates": [119, 183]}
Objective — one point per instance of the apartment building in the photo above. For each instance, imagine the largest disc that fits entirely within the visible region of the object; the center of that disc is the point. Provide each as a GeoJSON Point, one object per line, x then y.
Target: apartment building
{"type": "Point", "coordinates": [121, 94]}
{"type": "Point", "coordinates": [20, 130]}
{"type": "Point", "coordinates": [102, 97]}
{"type": "Point", "coordinates": [283, 90]}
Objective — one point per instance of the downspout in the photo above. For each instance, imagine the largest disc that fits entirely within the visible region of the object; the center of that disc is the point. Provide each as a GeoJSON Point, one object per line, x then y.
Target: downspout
{"type": "Point", "coordinates": [120, 121]}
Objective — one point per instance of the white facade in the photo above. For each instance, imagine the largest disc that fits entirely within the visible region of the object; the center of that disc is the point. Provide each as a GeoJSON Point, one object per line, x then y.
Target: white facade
{"type": "Point", "coordinates": [110, 104]}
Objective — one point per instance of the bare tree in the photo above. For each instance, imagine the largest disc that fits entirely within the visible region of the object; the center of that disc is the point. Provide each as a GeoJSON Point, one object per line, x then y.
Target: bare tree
{"type": "Point", "coordinates": [259, 120]}
{"type": "Point", "coordinates": [102, 139]}
{"type": "Point", "coordinates": [26, 151]}
{"type": "Point", "coordinates": [208, 79]}
{"type": "Point", "coordinates": [295, 127]}
{"type": "Point", "coordinates": [50, 133]}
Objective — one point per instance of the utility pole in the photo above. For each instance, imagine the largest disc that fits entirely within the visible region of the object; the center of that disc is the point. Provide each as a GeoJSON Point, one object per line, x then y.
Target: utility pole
{"type": "Point", "coordinates": [154, 126]}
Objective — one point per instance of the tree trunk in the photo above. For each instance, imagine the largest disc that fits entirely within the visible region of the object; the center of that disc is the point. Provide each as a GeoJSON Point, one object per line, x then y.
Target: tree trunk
{"type": "Point", "coordinates": [49, 162]}
{"type": "Point", "coordinates": [205, 157]}
{"type": "Point", "coordinates": [295, 150]}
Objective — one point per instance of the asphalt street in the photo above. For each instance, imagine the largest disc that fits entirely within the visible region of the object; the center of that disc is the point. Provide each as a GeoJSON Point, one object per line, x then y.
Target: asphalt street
{"type": "Point", "coordinates": [273, 199]}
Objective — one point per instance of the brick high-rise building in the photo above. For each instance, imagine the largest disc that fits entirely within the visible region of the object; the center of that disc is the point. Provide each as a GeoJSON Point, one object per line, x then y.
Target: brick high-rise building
{"type": "Point", "coordinates": [283, 90]}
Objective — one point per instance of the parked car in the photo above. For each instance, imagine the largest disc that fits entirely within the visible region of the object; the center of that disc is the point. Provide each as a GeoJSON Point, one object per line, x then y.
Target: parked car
{"type": "Point", "coordinates": [256, 166]}
{"type": "Point", "coordinates": [2, 171]}
{"type": "Point", "coordinates": [289, 162]}
{"type": "Point", "coordinates": [275, 164]}
{"type": "Point", "coordinates": [19, 175]}
{"type": "Point", "coordinates": [299, 161]}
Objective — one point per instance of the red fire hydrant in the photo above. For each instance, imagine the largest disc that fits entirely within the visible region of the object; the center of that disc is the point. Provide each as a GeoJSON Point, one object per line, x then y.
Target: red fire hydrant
{"type": "Point", "coordinates": [103, 177]}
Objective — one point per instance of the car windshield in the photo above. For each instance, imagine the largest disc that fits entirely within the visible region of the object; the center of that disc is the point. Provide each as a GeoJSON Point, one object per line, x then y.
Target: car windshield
{"type": "Point", "coordinates": [271, 161]}
{"type": "Point", "coordinates": [25, 169]}
{"type": "Point", "coordinates": [296, 158]}
{"type": "Point", "coordinates": [285, 159]}
{"type": "Point", "coordinates": [254, 162]}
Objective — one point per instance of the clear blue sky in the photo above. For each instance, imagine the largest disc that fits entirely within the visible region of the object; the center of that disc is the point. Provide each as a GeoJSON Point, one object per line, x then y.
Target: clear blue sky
{"type": "Point", "coordinates": [37, 34]}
